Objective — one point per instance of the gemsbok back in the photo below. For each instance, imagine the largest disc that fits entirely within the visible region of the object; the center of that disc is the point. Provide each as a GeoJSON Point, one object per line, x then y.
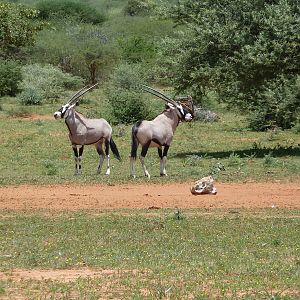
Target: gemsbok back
{"type": "Point", "coordinates": [84, 131]}
{"type": "Point", "coordinates": [159, 132]}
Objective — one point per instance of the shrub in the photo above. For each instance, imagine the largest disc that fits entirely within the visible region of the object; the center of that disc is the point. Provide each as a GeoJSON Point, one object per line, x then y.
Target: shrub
{"type": "Point", "coordinates": [138, 7]}
{"type": "Point", "coordinates": [128, 76]}
{"type": "Point", "coordinates": [66, 9]}
{"type": "Point", "coordinates": [296, 128]}
{"type": "Point", "coordinates": [44, 84]}
{"type": "Point", "coordinates": [127, 106]}
{"type": "Point", "coordinates": [137, 48]}
{"type": "Point", "coordinates": [10, 76]}
{"type": "Point", "coordinates": [277, 104]}
{"type": "Point", "coordinates": [125, 96]}
{"type": "Point", "coordinates": [31, 96]}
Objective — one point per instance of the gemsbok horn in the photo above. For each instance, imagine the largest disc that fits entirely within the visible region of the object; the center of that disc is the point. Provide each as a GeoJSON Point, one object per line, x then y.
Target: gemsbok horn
{"type": "Point", "coordinates": [159, 132]}
{"type": "Point", "coordinates": [84, 131]}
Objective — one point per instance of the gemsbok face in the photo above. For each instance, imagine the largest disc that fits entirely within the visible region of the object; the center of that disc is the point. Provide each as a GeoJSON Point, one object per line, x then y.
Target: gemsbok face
{"type": "Point", "coordinates": [84, 131]}
{"type": "Point", "coordinates": [159, 131]}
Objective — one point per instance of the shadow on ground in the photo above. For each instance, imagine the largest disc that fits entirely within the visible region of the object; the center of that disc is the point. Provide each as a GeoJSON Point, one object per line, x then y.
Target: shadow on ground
{"type": "Point", "coordinates": [278, 151]}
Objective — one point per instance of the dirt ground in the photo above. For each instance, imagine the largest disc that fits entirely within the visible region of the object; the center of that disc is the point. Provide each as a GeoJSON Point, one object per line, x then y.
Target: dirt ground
{"type": "Point", "coordinates": [135, 196]}
{"type": "Point", "coordinates": [149, 196]}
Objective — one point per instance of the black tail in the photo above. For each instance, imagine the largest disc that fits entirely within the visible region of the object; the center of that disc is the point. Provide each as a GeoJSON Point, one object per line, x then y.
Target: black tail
{"type": "Point", "coordinates": [114, 149]}
{"type": "Point", "coordinates": [134, 142]}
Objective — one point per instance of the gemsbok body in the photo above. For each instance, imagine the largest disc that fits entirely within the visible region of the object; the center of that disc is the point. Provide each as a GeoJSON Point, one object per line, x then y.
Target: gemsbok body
{"type": "Point", "coordinates": [158, 132]}
{"type": "Point", "coordinates": [84, 131]}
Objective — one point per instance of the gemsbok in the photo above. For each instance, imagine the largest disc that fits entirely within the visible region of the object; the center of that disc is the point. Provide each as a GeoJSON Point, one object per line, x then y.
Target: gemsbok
{"type": "Point", "coordinates": [84, 131]}
{"type": "Point", "coordinates": [159, 132]}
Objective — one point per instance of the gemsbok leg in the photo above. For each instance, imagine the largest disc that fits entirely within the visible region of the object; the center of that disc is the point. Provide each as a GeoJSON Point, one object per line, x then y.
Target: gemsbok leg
{"type": "Point", "coordinates": [133, 154]}
{"type": "Point", "coordinates": [163, 160]}
{"type": "Point", "coordinates": [107, 157]}
{"type": "Point", "coordinates": [101, 156]}
{"type": "Point", "coordinates": [142, 158]}
{"type": "Point", "coordinates": [78, 158]}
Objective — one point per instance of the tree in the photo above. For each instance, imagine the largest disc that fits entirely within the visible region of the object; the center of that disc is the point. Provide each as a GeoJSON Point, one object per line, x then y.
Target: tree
{"type": "Point", "coordinates": [83, 50]}
{"type": "Point", "coordinates": [241, 49]}
{"type": "Point", "coordinates": [18, 26]}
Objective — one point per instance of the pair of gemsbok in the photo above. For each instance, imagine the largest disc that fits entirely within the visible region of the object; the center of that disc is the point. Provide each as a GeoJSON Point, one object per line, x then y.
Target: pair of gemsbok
{"type": "Point", "coordinates": [156, 133]}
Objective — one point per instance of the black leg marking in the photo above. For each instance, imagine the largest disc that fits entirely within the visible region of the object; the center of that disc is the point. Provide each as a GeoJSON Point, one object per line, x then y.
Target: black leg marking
{"type": "Point", "coordinates": [145, 149]}
{"type": "Point", "coordinates": [166, 148]}
{"type": "Point", "coordinates": [106, 147]}
{"type": "Point", "coordinates": [99, 149]}
{"type": "Point", "coordinates": [81, 150]}
{"type": "Point", "coordinates": [160, 154]}
{"type": "Point", "coordinates": [75, 151]}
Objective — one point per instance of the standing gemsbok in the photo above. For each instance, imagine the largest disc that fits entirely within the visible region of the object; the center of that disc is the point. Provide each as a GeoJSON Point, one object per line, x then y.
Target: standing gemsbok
{"type": "Point", "coordinates": [83, 131]}
{"type": "Point", "coordinates": [159, 132]}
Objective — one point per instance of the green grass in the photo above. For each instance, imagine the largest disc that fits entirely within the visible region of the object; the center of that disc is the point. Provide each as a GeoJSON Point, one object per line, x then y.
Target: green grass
{"type": "Point", "coordinates": [226, 254]}
{"type": "Point", "coordinates": [39, 151]}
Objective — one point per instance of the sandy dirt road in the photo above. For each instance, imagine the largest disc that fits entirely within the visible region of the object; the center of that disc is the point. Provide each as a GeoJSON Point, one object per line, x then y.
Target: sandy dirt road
{"type": "Point", "coordinates": [74, 197]}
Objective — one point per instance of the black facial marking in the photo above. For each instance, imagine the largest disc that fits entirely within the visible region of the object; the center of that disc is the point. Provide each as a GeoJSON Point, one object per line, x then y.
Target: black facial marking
{"type": "Point", "coordinates": [61, 111]}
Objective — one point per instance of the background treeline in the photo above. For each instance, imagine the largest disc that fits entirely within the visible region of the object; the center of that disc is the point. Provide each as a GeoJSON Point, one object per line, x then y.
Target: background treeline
{"type": "Point", "coordinates": [245, 54]}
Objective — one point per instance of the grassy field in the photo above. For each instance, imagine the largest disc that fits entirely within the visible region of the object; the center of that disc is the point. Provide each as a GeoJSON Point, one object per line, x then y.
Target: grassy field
{"type": "Point", "coordinates": [186, 255]}
{"type": "Point", "coordinates": [191, 254]}
{"type": "Point", "coordinates": [39, 151]}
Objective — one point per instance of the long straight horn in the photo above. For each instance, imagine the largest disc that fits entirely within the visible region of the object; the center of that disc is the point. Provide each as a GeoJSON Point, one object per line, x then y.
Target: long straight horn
{"type": "Point", "coordinates": [76, 94]}
{"type": "Point", "coordinates": [159, 94]}
{"type": "Point", "coordinates": [80, 93]}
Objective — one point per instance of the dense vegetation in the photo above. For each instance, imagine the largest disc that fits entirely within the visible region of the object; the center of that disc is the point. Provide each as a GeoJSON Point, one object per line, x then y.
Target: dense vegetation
{"type": "Point", "coordinates": [242, 53]}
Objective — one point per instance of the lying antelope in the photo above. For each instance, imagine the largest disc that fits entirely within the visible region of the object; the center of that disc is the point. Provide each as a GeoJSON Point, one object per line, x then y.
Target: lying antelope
{"type": "Point", "coordinates": [158, 132]}
{"type": "Point", "coordinates": [83, 131]}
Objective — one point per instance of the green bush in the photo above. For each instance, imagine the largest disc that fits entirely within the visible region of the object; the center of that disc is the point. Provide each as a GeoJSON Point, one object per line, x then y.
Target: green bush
{"type": "Point", "coordinates": [278, 104]}
{"type": "Point", "coordinates": [66, 9]}
{"type": "Point", "coordinates": [31, 96]}
{"type": "Point", "coordinates": [137, 48]}
{"type": "Point", "coordinates": [138, 7]}
{"type": "Point", "coordinates": [10, 76]}
{"type": "Point", "coordinates": [127, 106]}
{"type": "Point", "coordinates": [43, 84]}
{"type": "Point", "coordinates": [128, 76]}
{"type": "Point", "coordinates": [125, 95]}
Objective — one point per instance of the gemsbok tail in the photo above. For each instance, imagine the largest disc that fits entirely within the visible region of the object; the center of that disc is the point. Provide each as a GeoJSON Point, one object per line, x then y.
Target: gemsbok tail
{"type": "Point", "coordinates": [114, 149]}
